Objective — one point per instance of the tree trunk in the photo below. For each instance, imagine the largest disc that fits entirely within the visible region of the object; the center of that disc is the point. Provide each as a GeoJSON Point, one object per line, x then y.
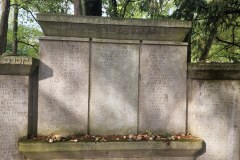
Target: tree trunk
{"type": "Point", "coordinates": [88, 7]}
{"type": "Point", "coordinates": [114, 7]}
{"type": "Point", "coordinates": [4, 14]}
{"type": "Point", "coordinates": [212, 36]}
{"type": "Point", "coordinates": [93, 7]}
{"type": "Point", "coordinates": [79, 7]}
{"type": "Point", "coordinates": [15, 29]}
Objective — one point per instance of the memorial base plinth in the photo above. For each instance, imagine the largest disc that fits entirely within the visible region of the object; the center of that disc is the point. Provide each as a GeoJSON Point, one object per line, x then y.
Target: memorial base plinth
{"type": "Point", "coordinates": [102, 150]}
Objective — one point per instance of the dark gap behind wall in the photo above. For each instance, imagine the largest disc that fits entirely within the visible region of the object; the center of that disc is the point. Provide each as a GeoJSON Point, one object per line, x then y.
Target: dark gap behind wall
{"type": "Point", "coordinates": [33, 104]}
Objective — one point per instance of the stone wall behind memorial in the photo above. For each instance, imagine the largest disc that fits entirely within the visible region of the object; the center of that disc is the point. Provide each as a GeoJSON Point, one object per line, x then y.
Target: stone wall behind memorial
{"type": "Point", "coordinates": [13, 114]}
{"type": "Point", "coordinates": [214, 109]}
{"type": "Point", "coordinates": [14, 104]}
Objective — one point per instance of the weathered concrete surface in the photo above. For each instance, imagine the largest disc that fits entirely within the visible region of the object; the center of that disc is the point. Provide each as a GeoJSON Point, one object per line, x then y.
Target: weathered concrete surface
{"type": "Point", "coordinates": [214, 116]}
{"type": "Point", "coordinates": [13, 114]}
{"type": "Point", "coordinates": [114, 89]}
{"type": "Point", "coordinates": [162, 92]}
{"type": "Point", "coordinates": [214, 71]}
{"type": "Point", "coordinates": [113, 28]}
{"type": "Point", "coordinates": [82, 150]}
{"type": "Point", "coordinates": [17, 65]}
{"type": "Point", "coordinates": [63, 87]}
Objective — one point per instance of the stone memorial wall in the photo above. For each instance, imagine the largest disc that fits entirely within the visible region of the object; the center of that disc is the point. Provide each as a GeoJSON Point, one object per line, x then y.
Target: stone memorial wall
{"type": "Point", "coordinates": [111, 80]}
{"type": "Point", "coordinates": [116, 80]}
{"type": "Point", "coordinates": [117, 91]}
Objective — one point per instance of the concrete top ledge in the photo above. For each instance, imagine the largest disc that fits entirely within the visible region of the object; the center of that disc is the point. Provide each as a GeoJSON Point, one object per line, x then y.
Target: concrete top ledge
{"type": "Point", "coordinates": [214, 71]}
{"type": "Point", "coordinates": [214, 66]}
{"type": "Point", "coordinates": [114, 21]}
{"type": "Point", "coordinates": [17, 65]}
{"type": "Point", "coordinates": [113, 28]}
{"type": "Point", "coordinates": [61, 150]}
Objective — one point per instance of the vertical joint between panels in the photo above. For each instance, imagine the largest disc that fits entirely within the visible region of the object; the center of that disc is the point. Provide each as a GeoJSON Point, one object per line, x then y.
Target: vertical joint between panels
{"type": "Point", "coordinates": [89, 83]}
{"type": "Point", "coordinates": [139, 79]}
{"type": "Point", "coordinates": [187, 94]}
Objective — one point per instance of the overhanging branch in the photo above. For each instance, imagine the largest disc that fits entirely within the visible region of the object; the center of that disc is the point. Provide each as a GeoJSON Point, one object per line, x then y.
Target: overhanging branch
{"type": "Point", "coordinates": [30, 13]}
{"type": "Point", "coordinates": [230, 43]}
{"type": "Point", "coordinates": [237, 11]}
{"type": "Point", "coordinates": [31, 45]}
{"type": "Point", "coordinates": [124, 8]}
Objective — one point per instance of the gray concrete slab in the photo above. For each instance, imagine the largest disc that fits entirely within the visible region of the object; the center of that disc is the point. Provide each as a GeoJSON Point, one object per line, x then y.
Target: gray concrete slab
{"type": "Point", "coordinates": [114, 89]}
{"type": "Point", "coordinates": [162, 92]}
{"type": "Point", "coordinates": [63, 87]}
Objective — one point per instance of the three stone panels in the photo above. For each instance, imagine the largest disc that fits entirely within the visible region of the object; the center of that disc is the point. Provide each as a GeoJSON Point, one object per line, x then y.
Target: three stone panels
{"type": "Point", "coordinates": [111, 87]}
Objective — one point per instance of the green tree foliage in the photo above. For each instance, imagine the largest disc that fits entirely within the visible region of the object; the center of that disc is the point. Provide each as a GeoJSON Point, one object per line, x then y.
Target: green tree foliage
{"type": "Point", "coordinates": [27, 40]}
{"type": "Point", "coordinates": [48, 6]}
{"type": "Point", "coordinates": [24, 40]}
{"type": "Point", "coordinates": [137, 9]}
{"type": "Point", "coordinates": [215, 35]}
{"type": "Point", "coordinates": [216, 23]}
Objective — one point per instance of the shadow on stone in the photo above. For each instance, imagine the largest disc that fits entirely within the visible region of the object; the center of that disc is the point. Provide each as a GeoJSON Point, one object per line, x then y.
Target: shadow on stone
{"type": "Point", "coordinates": [201, 151]}
{"type": "Point", "coordinates": [33, 104]}
{"type": "Point", "coordinates": [48, 72]}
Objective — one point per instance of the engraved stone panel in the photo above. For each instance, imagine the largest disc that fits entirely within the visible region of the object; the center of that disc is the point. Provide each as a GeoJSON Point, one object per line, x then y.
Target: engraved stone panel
{"type": "Point", "coordinates": [162, 95]}
{"type": "Point", "coordinates": [13, 115]}
{"type": "Point", "coordinates": [114, 88]}
{"type": "Point", "coordinates": [63, 87]}
{"type": "Point", "coordinates": [214, 116]}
